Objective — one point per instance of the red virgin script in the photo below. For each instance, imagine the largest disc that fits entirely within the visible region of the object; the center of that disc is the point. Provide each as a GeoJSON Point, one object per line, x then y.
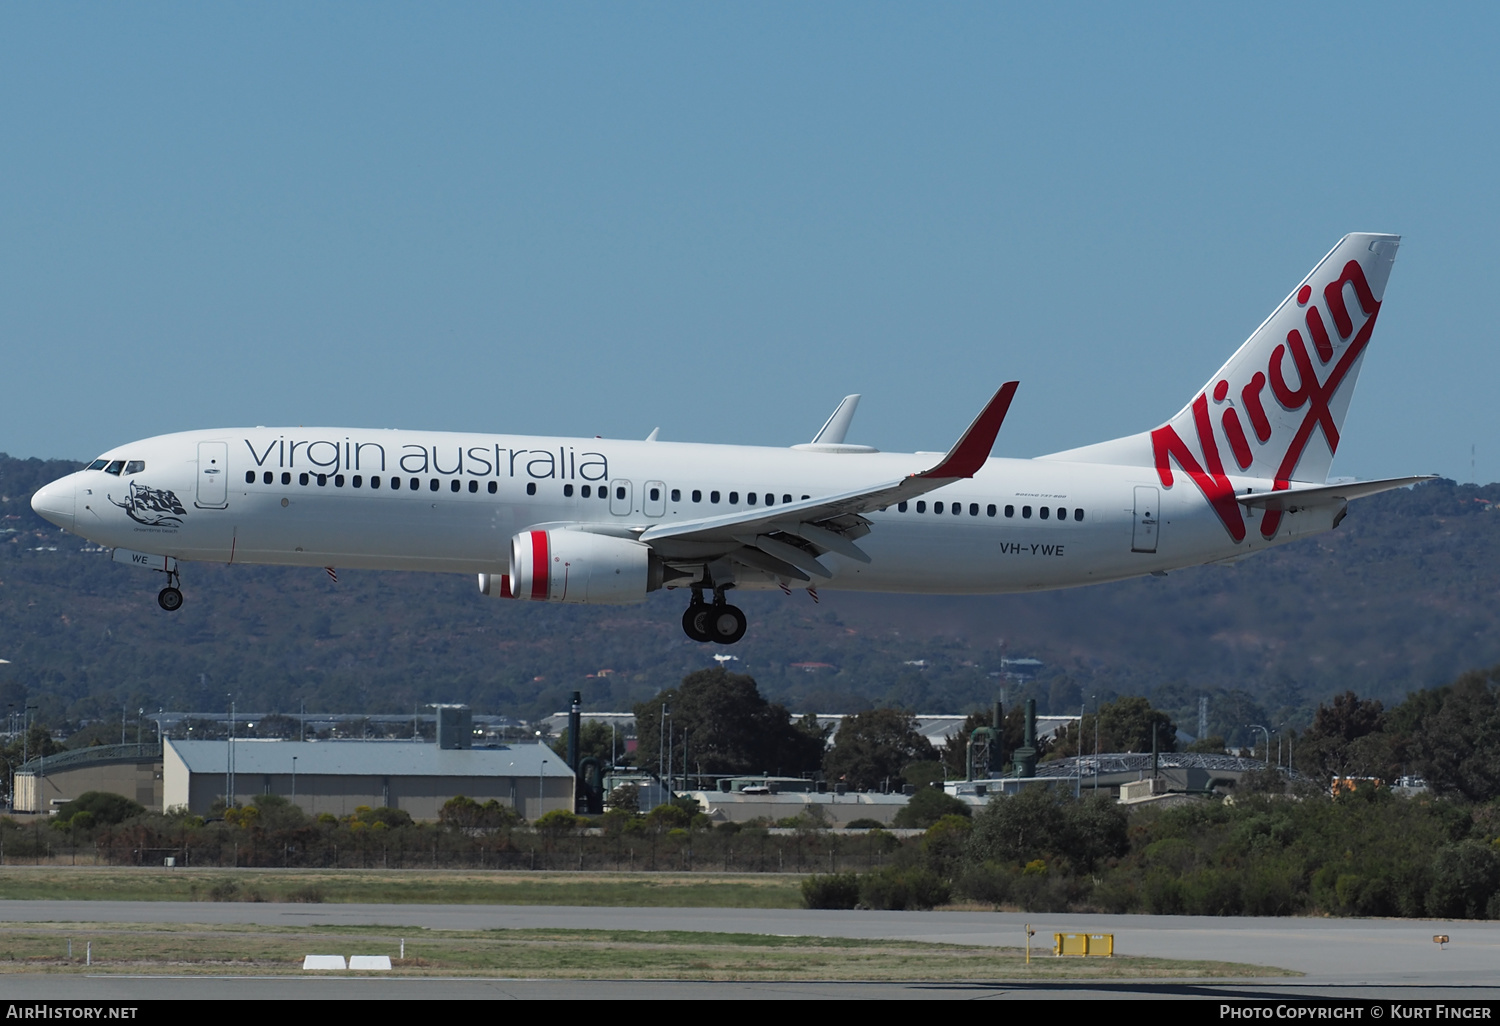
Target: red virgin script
{"type": "Point", "coordinates": [1309, 393]}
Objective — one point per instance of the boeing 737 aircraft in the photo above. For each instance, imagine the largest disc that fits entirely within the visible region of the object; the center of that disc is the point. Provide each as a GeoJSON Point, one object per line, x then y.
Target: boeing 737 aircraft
{"type": "Point", "coordinates": [1243, 466]}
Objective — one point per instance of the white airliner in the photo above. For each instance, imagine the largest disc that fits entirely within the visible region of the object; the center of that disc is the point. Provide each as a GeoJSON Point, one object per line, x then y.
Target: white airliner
{"type": "Point", "coordinates": [1240, 468]}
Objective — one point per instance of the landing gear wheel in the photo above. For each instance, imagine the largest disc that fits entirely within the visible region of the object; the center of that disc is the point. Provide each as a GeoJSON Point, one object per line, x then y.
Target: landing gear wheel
{"type": "Point", "coordinates": [726, 624]}
{"type": "Point", "coordinates": [695, 622]}
{"type": "Point", "coordinates": [169, 599]}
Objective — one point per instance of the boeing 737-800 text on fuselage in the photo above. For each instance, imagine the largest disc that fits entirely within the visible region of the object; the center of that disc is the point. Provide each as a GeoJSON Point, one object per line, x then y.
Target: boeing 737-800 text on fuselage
{"type": "Point", "coordinates": [1241, 467]}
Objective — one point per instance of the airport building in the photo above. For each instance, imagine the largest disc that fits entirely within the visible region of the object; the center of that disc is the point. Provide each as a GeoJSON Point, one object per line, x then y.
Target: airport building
{"type": "Point", "coordinates": [337, 777]}
{"type": "Point", "coordinates": [135, 771]}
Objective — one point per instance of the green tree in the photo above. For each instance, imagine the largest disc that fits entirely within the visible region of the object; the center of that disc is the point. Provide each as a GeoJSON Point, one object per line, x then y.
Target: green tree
{"type": "Point", "coordinates": [1124, 725]}
{"type": "Point", "coordinates": [871, 749]}
{"type": "Point", "coordinates": [1044, 823]}
{"type": "Point", "coordinates": [102, 807]}
{"type": "Point", "coordinates": [729, 728]}
{"type": "Point", "coordinates": [595, 741]}
{"type": "Point", "coordinates": [929, 805]}
{"type": "Point", "coordinates": [1342, 740]}
{"type": "Point", "coordinates": [1452, 735]}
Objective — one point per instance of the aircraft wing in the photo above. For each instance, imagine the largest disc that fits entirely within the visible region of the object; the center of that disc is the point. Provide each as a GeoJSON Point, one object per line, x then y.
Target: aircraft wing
{"type": "Point", "coordinates": [1290, 500]}
{"type": "Point", "coordinates": [787, 539]}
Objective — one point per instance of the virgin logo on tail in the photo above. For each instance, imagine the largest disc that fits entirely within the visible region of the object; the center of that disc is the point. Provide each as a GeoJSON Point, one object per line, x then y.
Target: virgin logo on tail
{"type": "Point", "coordinates": [1310, 393]}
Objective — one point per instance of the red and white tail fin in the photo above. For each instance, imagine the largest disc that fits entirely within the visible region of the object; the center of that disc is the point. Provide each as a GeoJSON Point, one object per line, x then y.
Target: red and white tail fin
{"type": "Point", "coordinates": [1275, 409]}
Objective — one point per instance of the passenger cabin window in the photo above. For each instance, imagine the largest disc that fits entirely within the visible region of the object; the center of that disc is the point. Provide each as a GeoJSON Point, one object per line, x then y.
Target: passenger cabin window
{"type": "Point", "coordinates": [395, 484]}
{"type": "Point", "coordinates": [734, 498]}
{"type": "Point", "coordinates": [901, 506]}
{"type": "Point", "coordinates": [286, 477]}
{"type": "Point", "coordinates": [1025, 512]}
{"type": "Point", "coordinates": [415, 484]}
{"type": "Point", "coordinates": [655, 493]}
{"type": "Point", "coordinates": [455, 485]}
{"type": "Point", "coordinates": [973, 509]}
{"type": "Point", "coordinates": [990, 510]}
{"type": "Point", "coordinates": [473, 487]}
{"type": "Point", "coordinates": [585, 491]}
{"type": "Point", "coordinates": [1043, 511]}
{"type": "Point", "coordinates": [697, 495]}
{"type": "Point", "coordinates": [937, 507]}
{"type": "Point", "coordinates": [1078, 515]}
{"type": "Point", "coordinates": [302, 478]}
{"type": "Point", "coordinates": [250, 477]}
{"type": "Point", "coordinates": [1062, 514]}
{"type": "Point", "coordinates": [1010, 511]}
{"type": "Point", "coordinates": [786, 498]}
{"type": "Point", "coordinates": [530, 487]}
{"type": "Point", "coordinates": [713, 496]}
{"type": "Point", "coordinates": [374, 482]}
{"type": "Point", "coordinates": [568, 490]}
{"type": "Point", "coordinates": [620, 492]}
{"type": "Point", "coordinates": [770, 499]}
{"type": "Point", "coordinates": [493, 488]}
{"type": "Point", "coordinates": [676, 494]}
{"type": "Point", "coordinates": [358, 481]}
{"type": "Point", "coordinates": [749, 498]}
{"type": "Point", "coordinates": [921, 506]}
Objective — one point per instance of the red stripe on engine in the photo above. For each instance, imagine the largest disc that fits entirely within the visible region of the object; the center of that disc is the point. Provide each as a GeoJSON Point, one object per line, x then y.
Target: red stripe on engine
{"type": "Point", "coordinates": [540, 568]}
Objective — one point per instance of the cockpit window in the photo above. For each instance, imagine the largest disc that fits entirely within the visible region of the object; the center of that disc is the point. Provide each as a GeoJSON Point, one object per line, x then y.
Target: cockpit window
{"type": "Point", "coordinates": [135, 467]}
{"type": "Point", "coordinates": [98, 464]}
{"type": "Point", "coordinates": [115, 467]}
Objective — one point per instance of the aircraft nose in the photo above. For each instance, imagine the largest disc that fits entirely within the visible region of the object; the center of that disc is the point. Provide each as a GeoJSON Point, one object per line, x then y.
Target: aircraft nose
{"type": "Point", "coordinates": [55, 502]}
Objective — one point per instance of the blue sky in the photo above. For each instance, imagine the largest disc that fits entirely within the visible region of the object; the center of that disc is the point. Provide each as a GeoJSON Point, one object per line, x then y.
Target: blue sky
{"type": "Point", "coordinates": [720, 218]}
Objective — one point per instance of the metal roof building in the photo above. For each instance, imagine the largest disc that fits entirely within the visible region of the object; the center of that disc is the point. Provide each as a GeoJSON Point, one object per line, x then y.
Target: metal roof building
{"type": "Point", "coordinates": [134, 771]}
{"type": "Point", "coordinates": [339, 776]}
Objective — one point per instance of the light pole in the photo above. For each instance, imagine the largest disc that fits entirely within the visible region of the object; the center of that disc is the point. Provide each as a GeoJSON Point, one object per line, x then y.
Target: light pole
{"type": "Point", "coordinates": [1267, 733]}
{"type": "Point", "coordinates": [1095, 699]}
{"type": "Point", "coordinates": [540, 774]}
{"type": "Point", "coordinates": [294, 780]}
{"type": "Point", "coordinates": [661, 743]}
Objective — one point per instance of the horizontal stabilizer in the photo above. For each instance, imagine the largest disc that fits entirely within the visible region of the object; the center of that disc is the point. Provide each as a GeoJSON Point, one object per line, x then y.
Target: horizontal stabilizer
{"type": "Point", "coordinates": [1290, 500]}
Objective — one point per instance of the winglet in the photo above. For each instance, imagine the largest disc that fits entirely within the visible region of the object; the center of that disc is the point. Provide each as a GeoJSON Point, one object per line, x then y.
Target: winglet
{"type": "Point", "coordinates": [970, 452]}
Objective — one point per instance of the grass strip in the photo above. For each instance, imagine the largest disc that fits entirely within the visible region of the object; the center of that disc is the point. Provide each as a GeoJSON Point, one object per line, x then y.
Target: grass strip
{"type": "Point", "coordinates": [404, 886]}
{"type": "Point", "coordinates": [558, 954]}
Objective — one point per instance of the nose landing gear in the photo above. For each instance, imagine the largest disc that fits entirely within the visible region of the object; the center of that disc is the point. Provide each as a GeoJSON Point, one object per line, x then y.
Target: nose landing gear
{"type": "Point", "coordinates": [717, 622]}
{"type": "Point", "coordinates": [170, 597]}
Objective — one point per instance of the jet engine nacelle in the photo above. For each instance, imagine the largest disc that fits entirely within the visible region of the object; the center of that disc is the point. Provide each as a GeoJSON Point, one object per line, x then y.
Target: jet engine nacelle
{"type": "Point", "coordinates": [576, 566]}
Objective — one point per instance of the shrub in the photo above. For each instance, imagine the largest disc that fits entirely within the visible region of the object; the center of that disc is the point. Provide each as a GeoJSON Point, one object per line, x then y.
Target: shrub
{"type": "Point", "coordinates": [104, 808]}
{"type": "Point", "coordinates": [929, 805]}
{"type": "Point", "coordinates": [896, 888]}
{"type": "Point", "coordinates": [836, 890]}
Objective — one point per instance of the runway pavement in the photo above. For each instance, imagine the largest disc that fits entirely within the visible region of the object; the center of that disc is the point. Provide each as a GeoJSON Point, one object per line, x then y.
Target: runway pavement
{"type": "Point", "coordinates": [1340, 958]}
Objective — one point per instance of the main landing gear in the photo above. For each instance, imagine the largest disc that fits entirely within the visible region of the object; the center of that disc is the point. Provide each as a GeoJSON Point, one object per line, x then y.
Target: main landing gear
{"type": "Point", "coordinates": [170, 597]}
{"type": "Point", "coordinates": [717, 622]}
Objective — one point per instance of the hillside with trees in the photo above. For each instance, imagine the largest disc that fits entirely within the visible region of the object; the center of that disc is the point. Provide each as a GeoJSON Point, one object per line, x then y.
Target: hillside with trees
{"type": "Point", "coordinates": [1400, 597]}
